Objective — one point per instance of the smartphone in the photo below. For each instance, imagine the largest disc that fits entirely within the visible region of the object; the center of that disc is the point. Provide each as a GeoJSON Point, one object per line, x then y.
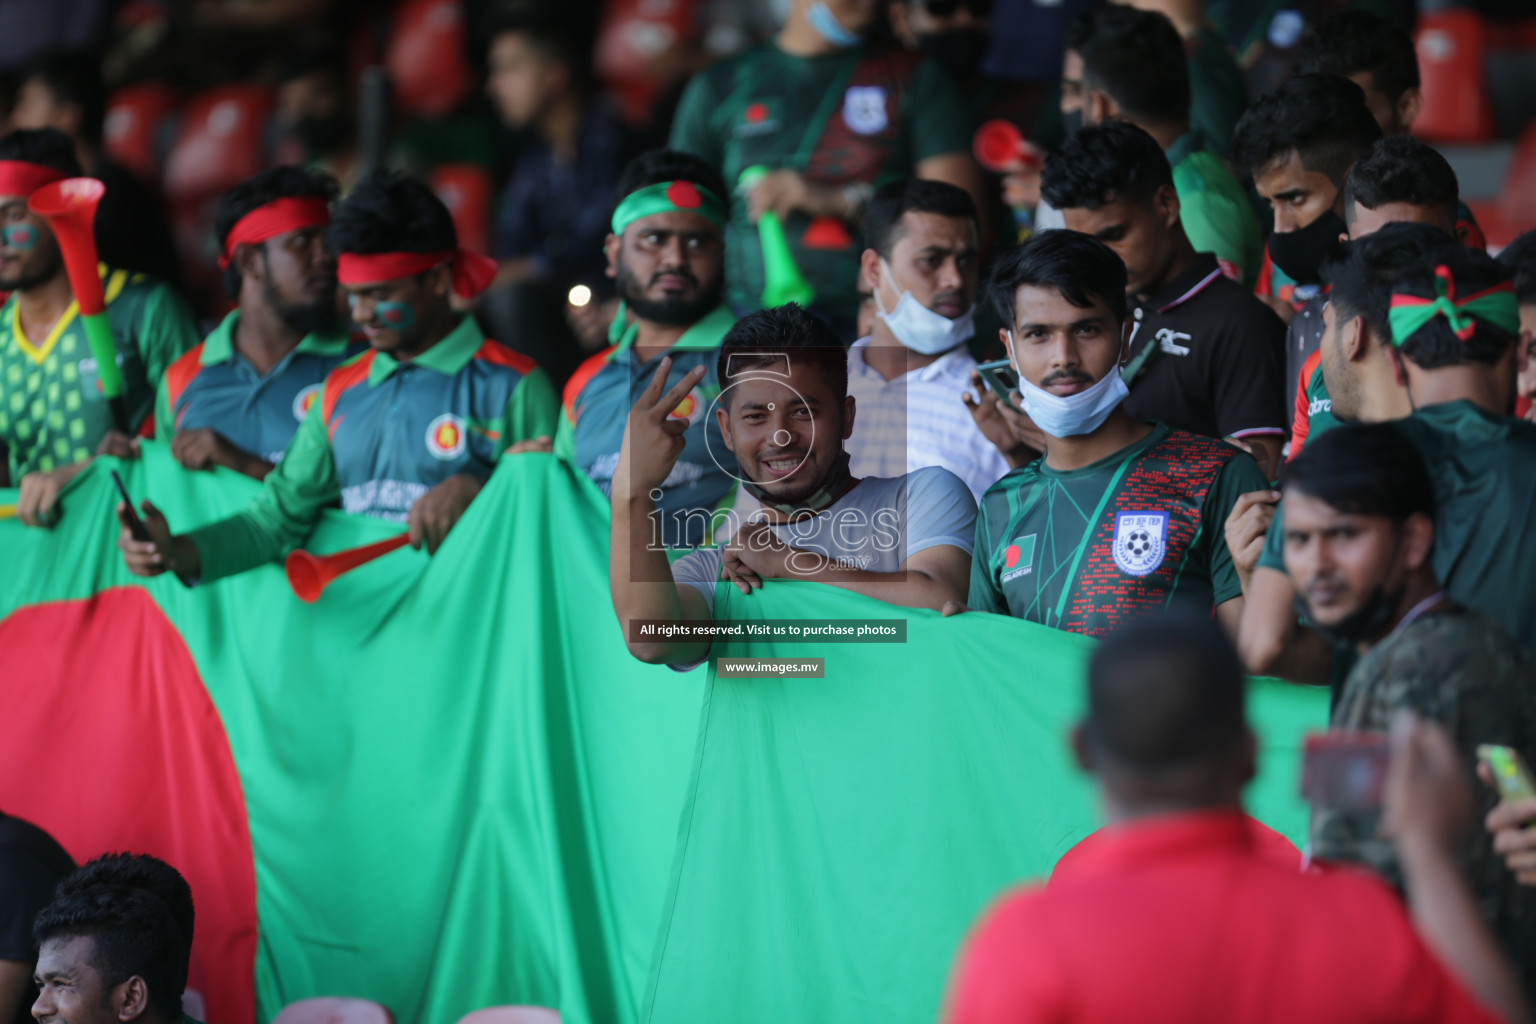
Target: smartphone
{"type": "Point", "coordinates": [135, 524]}
{"type": "Point", "coordinates": [1002, 378]}
{"type": "Point", "coordinates": [1509, 771]}
{"type": "Point", "coordinates": [1344, 771]}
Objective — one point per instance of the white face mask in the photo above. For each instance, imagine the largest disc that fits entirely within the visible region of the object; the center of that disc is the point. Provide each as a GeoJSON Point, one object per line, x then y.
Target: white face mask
{"type": "Point", "coordinates": [920, 328]}
{"type": "Point", "coordinates": [1070, 415]}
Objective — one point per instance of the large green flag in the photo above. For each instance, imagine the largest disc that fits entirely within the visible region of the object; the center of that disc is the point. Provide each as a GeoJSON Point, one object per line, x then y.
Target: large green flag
{"type": "Point", "coordinates": [447, 785]}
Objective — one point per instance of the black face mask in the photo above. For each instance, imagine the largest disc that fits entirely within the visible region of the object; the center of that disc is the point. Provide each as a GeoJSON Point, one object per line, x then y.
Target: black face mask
{"type": "Point", "coordinates": [1368, 622]}
{"type": "Point", "coordinates": [1300, 253]}
{"type": "Point", "coordinates": [958, 50]}
{"type": "Point", "coordinates": [1072, 122]}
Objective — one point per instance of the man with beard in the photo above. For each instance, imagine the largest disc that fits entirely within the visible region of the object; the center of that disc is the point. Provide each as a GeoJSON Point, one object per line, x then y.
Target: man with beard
{"type": "Point", "coordinates": [237, 399]}
{"type": "Point", "coordinates": [407, 432]}
{"type": "Point", "coordinates": [1359, 540]}
{"type": "Point", "coordinates": [53, 413]}
{"type": "Point", "coordinates": [784, 412]}
{"type": "Point", "coordinates": [666, 254]}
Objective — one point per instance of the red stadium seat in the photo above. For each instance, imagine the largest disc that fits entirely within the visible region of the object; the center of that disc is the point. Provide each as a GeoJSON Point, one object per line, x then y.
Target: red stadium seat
{"type": "Point", "coordinates": [136, 119]}
{"type": "Point", "coordinates": [633, 33]}
{"type": "Point", "coordinates": [1456, 107]}
{"type": "Point", "coordinates": [466, 190]}
{"type": "Point", "coordinates": [221, 141]}
{"type": "Point", "coordinates": [334, 1011]}
{"type": "Point", "coordinates": [1517, 200]}
{"type": "Point", "coordinates": [428, 58]}
{"type": "Point", "coordinates": [512, 1015]}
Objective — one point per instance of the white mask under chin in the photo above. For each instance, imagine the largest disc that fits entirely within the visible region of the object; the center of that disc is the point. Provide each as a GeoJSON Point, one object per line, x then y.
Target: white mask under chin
{"type": "Point", "coordinates": [1071, 415]}
{"type": "Point", "coordinates": [920, 328]}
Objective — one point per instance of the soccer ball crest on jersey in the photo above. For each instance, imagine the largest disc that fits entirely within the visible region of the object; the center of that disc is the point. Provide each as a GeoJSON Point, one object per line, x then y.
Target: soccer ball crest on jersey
{"type": "Point", "coordinates": [304, 399]}
{"type": "Point", "coordinates": [864, 109]}
{"type": "Point", "coordinates": [446, 437]}
{"type": "Point", "coordinates": [1140, 541]}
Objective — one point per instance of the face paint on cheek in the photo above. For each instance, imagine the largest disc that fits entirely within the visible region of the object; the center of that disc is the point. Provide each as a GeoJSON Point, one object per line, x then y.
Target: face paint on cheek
{"type": "Point", "coordinates": [21, 237]}
{"type": "Point", "coordinates": [396, 316]}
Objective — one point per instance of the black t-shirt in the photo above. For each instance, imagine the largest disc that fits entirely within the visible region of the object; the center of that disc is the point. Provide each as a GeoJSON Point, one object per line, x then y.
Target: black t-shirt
{"type": "Point", "coordinates": [32, 865]}
{"type": "Point", "coordinates": [1220, 365]}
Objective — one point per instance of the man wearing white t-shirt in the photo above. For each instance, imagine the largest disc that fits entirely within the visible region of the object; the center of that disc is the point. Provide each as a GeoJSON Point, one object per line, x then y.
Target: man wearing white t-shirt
{"type": "Point", "coordinates": [784, 412]}
{"type": "Point", "coordinates": [909, 375]}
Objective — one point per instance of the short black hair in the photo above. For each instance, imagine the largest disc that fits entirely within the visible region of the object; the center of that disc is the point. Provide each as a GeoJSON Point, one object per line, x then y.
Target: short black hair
{"type": "Point", "coordinates": [1519, 258]}
{"type": "Point", "coordinates": [1080, 31]}
{"type": "Point", "coordinates": [1137, 58]}
{"type": "Point", "coordinates": [1080, 266]}
{"type": "Point", "coordinates": [1166, 691]}
{"type": "Point", "coordinates": [46, 147]}
{"type": "Point", "coordinates": [555, 30]}
{"type": "Point", "coordinates": [1105, 163]}
{"type": "Point", "coordinates": [74, 77]}
{"type": "Point", "coordinates": [1361, 274]}
{"type": "Point", "coordinates": [259, 190]}
{"type": "Point", "coordinates": [389, 212]}
{"type": "Point", "coordinates": [895, 199]}
{"type": "Point", "coordinates": [1435, 344]}
{"type": "Point", "coordinates": [1364, 469]}
{"type": "Point", "coordinates": [133, 933]}
{"type": "Point", "coordinates": [1401, 169]}
{"type": "Point", "coordinates": [138, 871]}
{"type": "Point", "coordinates": [1322, 117]}
{"type": "Point", "coordinates": [1360, 41]}
{"type": "Point", "coordinates": [764, 339]}
{"type": "Point", "coordinates": [657, 165]}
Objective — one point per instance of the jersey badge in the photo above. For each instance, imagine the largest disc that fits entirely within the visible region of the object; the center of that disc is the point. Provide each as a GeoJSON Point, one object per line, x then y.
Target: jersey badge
{"type": "Point", "coordinates": [864, 109]}
{"type": "Point", "coordinates": [1140, 541]}
{"type": "Point", "coordinates": [445, 437]}
{"type": "Point", "coordinates": [304, 399]}
{"type": "Point", "coordinates": [1019, 558]}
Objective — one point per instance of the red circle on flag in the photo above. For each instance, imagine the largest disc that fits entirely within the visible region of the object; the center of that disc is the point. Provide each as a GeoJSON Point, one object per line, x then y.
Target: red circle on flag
{"type": "Point", "coordinates": [447, 436]}
{"type": "Point", "coordinates": [757, 112]}
{"type": "Point", "coordinates": [684, 196]}
{"type": "Point", "coordinates": [1011, 556]}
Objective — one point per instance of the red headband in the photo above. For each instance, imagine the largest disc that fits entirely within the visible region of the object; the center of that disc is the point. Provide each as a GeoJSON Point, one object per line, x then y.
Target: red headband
{"type": "Point", "coordinates": [278, 217]}
{"type": "Point", "coordinates": [472, 272]}
{"type": "Point", "coordinates": [20, 178]}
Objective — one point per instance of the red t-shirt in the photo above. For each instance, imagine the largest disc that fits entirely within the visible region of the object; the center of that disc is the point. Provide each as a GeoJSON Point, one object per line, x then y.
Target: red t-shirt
{"type": "Point", "coordinates": [1183, 920]}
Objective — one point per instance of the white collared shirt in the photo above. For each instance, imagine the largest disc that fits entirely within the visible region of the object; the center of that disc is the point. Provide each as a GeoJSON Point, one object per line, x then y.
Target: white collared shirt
{"type": "Point", "coordinates": [918, 420]}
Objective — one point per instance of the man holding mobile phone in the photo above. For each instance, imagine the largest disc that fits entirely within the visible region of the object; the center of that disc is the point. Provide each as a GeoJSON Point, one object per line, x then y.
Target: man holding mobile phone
{"type": "Point", "coordinates": [1359, 537]}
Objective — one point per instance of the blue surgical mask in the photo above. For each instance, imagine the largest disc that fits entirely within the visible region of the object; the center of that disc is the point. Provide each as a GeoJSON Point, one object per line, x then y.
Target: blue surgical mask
{"type": "Point", "coordinates": [1071, 415]}
{"type": "Point", "coordinates": [829, 28]}
{"type": "Point", "coordinates": [920, 328]}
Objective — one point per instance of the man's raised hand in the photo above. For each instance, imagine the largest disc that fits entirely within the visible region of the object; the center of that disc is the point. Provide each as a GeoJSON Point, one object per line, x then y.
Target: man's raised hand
{"type": "Point", "coordinates": [653, 437]}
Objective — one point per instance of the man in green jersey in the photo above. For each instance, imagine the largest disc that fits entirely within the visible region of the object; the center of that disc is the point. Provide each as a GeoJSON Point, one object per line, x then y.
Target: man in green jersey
{"type": "Point", "coordinates": [52, 410]}
{"type": "Point", "coordinates": [410, 430]}
{"type": "Point", "coordinates": [1134, 70]}
{"type": "Point", "coordinates": [1120, 515]}
{"type": "Point", "coordinates": [830, 117]}
{"type": "Point", "coordinates": [1449, 382]}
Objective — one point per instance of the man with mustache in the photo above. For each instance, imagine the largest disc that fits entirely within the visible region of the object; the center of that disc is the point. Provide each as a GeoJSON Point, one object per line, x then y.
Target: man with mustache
{"type": "Point", "coordinates": [666, 254]}
{"type": "Point", "coordinates": [1120, 515]}
{"type": "Point", "coordinates": [784, 412]}
{"type": "Point", "coordinates": [237, 399]}
{"type": "Point", "coordinates": [407, 432]}
{"type": "Point", "coordinates": [1359, 538]}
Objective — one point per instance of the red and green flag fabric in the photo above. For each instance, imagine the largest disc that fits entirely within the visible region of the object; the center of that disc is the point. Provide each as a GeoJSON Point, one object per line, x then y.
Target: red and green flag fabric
{"type": "Point", "coordinates": [447, 785]}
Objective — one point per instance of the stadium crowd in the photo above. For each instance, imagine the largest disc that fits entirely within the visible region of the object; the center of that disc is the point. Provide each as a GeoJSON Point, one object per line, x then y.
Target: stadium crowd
{"type": "Point", "coordinates": [777, 301]}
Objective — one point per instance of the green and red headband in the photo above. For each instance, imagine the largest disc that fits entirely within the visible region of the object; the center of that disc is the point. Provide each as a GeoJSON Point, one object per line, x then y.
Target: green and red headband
{"type": "Point", "coordinates": [669, 197]}
{"type": "Point", "coordinates": [1497, 305]}
{"type": "Point", "coordinates": [472, 272]}
{"type": "Point", "coordinates": [280, 216]}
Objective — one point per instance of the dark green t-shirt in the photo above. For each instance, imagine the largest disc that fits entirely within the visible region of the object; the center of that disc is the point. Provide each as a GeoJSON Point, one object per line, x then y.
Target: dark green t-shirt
{"type": "Point", "coordinates": [1484, 468]}
{"type": "Point", "coordinates": [867, 115]}
{"type": "Point", "coordinates": [1087, 549]}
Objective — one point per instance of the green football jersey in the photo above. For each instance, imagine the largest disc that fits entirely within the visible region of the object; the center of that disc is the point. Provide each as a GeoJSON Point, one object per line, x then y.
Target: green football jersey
{"type": "Point", "coordinates": [867, 115]}
{"type": "Point", "coordinates": [52, 410]}
{"type": "Point", "coordinates": [1088, 549]}
{"type": "Point", "coordinates": [1484, 469]}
